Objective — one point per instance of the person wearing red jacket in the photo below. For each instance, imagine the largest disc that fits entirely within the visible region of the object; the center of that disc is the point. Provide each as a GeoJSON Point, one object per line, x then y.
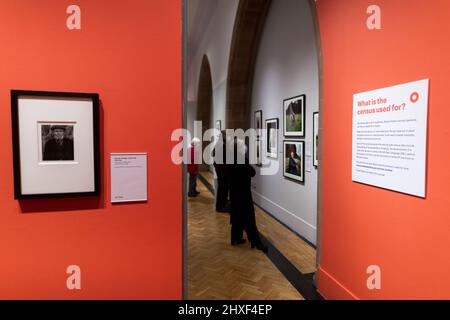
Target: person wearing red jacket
{"type": "Point", "coordinates": [193, 168]}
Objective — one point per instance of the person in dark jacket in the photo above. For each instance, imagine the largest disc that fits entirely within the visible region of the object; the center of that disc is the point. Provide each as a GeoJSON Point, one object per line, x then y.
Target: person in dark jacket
{"type": "Point", "coordinates": [242, 215]}
{"type": "Point", "coordinates": [193, 168]}
{"type": "Point", "coordinates": [59, 147]}
{"type": "Point", "coordinates": [223, 185]}
{"type": "Point", "coordinates": [294, 164]}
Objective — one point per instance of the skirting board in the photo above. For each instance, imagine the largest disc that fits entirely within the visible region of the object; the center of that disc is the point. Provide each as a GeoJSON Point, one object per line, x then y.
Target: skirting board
{"type": "Point", "coordinates": [332, 289]}
{"type": "Point", "coordinates": [302, 227]}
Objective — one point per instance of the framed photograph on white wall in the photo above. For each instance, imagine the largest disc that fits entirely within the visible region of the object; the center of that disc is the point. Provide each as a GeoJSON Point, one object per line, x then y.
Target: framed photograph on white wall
{"type": "Point", "coordinates": [55, 144]}
{"type": "Point", "coordinates": [259, 153]}
{"type": "Point", "coordinates": [316, 138]}
{"type": "Point", "coordinates": [272, 138]}
{"type": "Point", "coordinates": [258, 122]}
{"type": "Point", "coordinates": [294, 116]}
{"type": "Point", "coordinates": [294, 160]}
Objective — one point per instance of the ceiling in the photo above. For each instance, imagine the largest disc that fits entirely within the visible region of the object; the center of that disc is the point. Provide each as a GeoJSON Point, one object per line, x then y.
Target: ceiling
{"type": "Point", "coordinates": [199, 15]}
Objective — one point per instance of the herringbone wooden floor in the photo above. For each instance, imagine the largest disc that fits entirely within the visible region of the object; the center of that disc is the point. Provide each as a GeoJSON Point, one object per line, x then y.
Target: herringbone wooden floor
{"type": "Point", "coordinates": [297, 251]}
{"type": "Point", "coordinates": [217, 270]}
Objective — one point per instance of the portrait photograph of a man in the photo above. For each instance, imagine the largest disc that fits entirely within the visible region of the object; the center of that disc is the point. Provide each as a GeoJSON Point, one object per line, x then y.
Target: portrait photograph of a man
{"type": "Point", "coordinates": [57, 143]}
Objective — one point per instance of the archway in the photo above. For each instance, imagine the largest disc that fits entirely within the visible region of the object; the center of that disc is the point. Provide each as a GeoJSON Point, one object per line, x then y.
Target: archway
{"type": "Point", "coordinates": [204, 95]}
{"type": "Point", "coordinates": [247, 33]}
{"type": "Point", "coordinates": [204, 100]}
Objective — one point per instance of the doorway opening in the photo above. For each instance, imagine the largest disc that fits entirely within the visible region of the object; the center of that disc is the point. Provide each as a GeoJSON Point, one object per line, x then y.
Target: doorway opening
{"type": "Point", "coordinates": [212, 271]}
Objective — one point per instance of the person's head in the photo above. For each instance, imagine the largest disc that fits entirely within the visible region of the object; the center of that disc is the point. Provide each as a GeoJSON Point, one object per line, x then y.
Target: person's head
{"type": "Point", "coordinates": [293, 151]}
{"type": "Point", "coordinates": [58, 132]}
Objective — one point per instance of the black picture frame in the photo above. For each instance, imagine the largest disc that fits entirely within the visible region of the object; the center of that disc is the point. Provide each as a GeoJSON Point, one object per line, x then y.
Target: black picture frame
{"type": "Point", "coordinates": [259, 153]}
{"type": "Point", "coordinates": [315, 138]}
{"type": "Point", "coordinates": [293, 177]}
{"type": "Point", "coordinates": [258, 125]}
{"type": "Point", "coordinates": [270, 153]}
{"type": "Point", "coordinates": [301, 99]}
{"type": "Point", "coordinates": [17, 157]}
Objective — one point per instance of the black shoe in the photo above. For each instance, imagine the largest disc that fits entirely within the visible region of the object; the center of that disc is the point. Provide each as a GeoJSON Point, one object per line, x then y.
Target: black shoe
{"type": "Point", "coordinates": [235, 242]}
{"type": "Point", "coordinates": [192, 195]}
{"type": "Point", "coordinates": [260, 246]}
{"type": "Point", "coordinates": [197, 193]}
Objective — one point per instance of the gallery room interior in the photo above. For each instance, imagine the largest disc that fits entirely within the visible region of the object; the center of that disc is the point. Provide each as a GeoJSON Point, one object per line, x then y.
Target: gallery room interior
{"type": "Point", "coordinates": [105, 104]}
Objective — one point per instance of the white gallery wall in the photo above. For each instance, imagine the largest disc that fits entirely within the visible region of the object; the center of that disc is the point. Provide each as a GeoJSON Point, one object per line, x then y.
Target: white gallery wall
{"type": "Point", "coordinates": [210, 28]}
{"type": "Point", "coordinates": [287, 66]}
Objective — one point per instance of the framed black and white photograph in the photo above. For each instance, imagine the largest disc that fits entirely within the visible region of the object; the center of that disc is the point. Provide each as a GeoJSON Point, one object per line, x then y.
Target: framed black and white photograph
{"type": "Point", "coordinates": [272, 138]}
{"type": "Point", "coordinates": [55, 144]}
{"type": "Point", "coordinates": [294, 116]}
{"type": "Point", "coordinates": [258, 122]}
{"type": "Point", "coordinates": [294, 160]}
{"type": "Point", "coordinates": [259, 152]}
{"type": "Point", "coordinates": [316, 138]}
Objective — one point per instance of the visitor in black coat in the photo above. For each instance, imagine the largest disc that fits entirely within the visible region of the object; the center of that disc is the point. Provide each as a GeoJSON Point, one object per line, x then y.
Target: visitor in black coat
{"type": "Point", "coordinates": [242, 210]}
{"type": "Point", "coordinates": [223, 185]}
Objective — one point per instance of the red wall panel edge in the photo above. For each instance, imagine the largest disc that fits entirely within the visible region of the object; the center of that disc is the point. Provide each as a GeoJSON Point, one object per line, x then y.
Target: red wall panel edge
{"type": "Point", "coordinates": [332, 289]}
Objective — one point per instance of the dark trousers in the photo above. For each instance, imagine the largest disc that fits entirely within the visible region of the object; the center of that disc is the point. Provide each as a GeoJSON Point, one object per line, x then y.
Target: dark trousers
{"type": "Point", "coordinates": [244, 221]}
{"type": "Point", "coordinates": [192, 184]}
{"type": "Point", "coordinates": [223, 188]}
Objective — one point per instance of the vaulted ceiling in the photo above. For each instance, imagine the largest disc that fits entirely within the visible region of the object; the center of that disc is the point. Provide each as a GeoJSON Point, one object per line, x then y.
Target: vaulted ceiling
{"type": "Point", "coordinates": [199, 16]}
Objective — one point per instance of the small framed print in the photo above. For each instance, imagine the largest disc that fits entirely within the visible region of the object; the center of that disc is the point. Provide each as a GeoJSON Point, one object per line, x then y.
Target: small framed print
{"type": "Point", "coordinates": [259, 151]}
{"type": "Point", "coordinates": [294, 116]}
{"type": "Point", "coordinates": [55, 144]}
{"type": "Point", "coordinates": [294, 160]}
{"type": "Point", "coordinates": [272, 138]}
{"type": "Point", "coordinates": [256, 152]}
{"type": "Point", "coordinates": [258, 122]}
{"type": "Point", "coordinates": [316, 138]}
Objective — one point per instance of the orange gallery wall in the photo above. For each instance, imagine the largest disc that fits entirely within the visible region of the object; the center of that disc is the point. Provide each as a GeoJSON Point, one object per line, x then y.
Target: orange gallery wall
{"type": "Point", "coordinates": [407, 237]}
{"type": "Point", "coordinates": [129, 53]}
